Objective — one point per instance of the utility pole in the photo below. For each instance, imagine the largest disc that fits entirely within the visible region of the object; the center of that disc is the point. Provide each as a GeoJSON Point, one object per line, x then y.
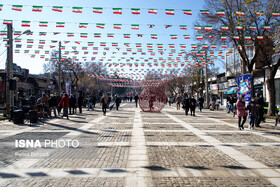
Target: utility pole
{"type": "Point", "coordinates": [206, 85]}
{"type": "Point", "coordinates": [9, 70]}
{"type": "Point", "coordinates": [59, 69]}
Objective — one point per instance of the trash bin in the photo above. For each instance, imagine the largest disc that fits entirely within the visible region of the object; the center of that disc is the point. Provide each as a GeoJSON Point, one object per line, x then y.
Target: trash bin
{"type": "Point", "coordinates": [18, 116]}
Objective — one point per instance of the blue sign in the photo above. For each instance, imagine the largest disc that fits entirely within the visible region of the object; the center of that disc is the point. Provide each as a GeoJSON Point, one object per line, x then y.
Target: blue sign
{"type": "Point", "coordinates": [244, 86]}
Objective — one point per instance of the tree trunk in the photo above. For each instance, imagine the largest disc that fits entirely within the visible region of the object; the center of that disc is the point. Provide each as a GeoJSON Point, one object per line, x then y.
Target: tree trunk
{"type": "Point", "coordinates": [271, 93]}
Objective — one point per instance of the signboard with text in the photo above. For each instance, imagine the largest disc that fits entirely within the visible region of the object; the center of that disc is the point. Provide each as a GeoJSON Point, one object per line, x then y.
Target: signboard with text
{"type": "Point", "coordinates": [244, 86]}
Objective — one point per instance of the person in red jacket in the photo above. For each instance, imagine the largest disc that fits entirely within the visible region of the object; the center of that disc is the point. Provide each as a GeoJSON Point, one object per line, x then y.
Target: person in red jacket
{"type": "Point", "coordinates": [65, 104]}
{"type": "Point", "coordinates": [241, 112]}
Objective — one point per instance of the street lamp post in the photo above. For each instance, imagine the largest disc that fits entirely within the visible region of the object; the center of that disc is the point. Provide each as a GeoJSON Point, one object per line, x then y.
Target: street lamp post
{"type": "Point", "coordinates": [9, 68]}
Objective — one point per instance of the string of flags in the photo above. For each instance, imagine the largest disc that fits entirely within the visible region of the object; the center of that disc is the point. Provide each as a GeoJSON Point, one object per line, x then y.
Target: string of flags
{"type": "Point", "coordinates": [134, 11]}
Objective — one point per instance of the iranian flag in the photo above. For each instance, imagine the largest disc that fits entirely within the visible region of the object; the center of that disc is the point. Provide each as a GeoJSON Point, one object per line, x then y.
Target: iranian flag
{"type": "Point", "coordinates": [97, 10]}
{"type": "Point", "coordinates": [42, 56]}
{"type": "Point", "coordinates": [140, 35]}
{"type": "Point", "coordinates": [100, 25]}
{"type": "Point", "coordinates": [260, 37]}
{"type": "Point", "coordinates": [97, 35]}
{"type": "Point", "coordinates": [236, 37]}
{"type": "Point", "coordinates": [169, 12]}
{"type": "Point", "coordinates": [30, 41]}
{"type": "Point", "coordinates": [154, 36]}
{"type": "Point", "coordinates": [267, 27]}
{"type": "Point", "coordinates": [198, 27]}
{"type": "Point", "coordinates": [42, 41]}
{"type": "Point", "coordinates": [114, 44]}
{"type": "Point", "coordinates": [183, 27]}
{"type": "Point", "coordinates": [224, 37]}
{"type": "Point", "coordinates": [70, 34]}
{"type": "Point", "coordinates": [275, 14]}
{"type": "Point", "coordinates": [240, 13]}
{"type": "Point", "coordinates": [47, 52]}
{"type": "Point", "coordinates": [259, 13]}
{"type": "Point", "coordinates": [128, 49]}
{"type": "Point", "coordinates": [138, 45]}
{"type": "Point", "coordinates": [221, 12]}
{"type": "Point", "coordinates": [84, 48]}
{"type": "Point", "coordinates": [126, 35]}
{"type": "Point", "coordinates": [238, 27]}
{"type": "Point", "coordinates": [43, 24]}
{"type": "Point", "coordinates": [204, 12]}
{"type": "Point", "coordinates": [84, 35]}
{"type": "Point", "coordinates": [135, 10]}
{"type": "Point", "coordinates": [90, 43]}
{"type": "Point", "coordinates": [208, 28]}
{"type": "Point", "coordinates": [6, 39]}
{"type": "Point", "coordinates": [117, 26]}
{"type": "Point", "coordinates": [95, 48]}
{"type": "Point", "coordinates": [117, 10]}
{"type": "Point", "coordinates": [225, 28]}
{"type": "Point", "coordinates": [32, 56]}
{"type": "Point", "coordinates": [57, 8]}
{"type": "Point", "coordinates": [187, 37]}
{"type": "Point", "coordinates": [103, 44]}
{"type": "Point", "coordinates": [187, 12]}
{"type": "Point", "coordinates": [111, 35]}
{"type": "Point", "coordinates": [17, 33]}
{"type": "Point", "coordinates": [160, 46]}
{"type": "Point", "coordinates": [40, 46]}
{"type": "Point", "coordinates": [149, 45]}
{"type": "Point", "coordinates": [253, 27]}
{"type": "Point", "coordinates": [213, 46]}
{"type": "Point", "coordinates": [248, 38]}
{"type": "Point", "coordinates": [60, 24]}
{"type": "Point", "coordinates": [29, 46]}
{"type": "Point", "coordinates": [172, 46]}
{"type": "Point", "coordinates": [53, 41]}
{"type": "Point", "coordinates": [139, 50]}
{"type": "Point", "coordinates": [167, 26]}
{"type": "Point", "coordinates": [127, 44]}
{"type": "Point", "coordinates": [17, 7]}
{"type": "Point", "coordinates": [151, 26]}
{"type": "Point", "coordinates": [7, 22]}
{"type": "Point", "coordinates": [77, 9]}
{"type": "Point", "coordinates": [135, 26]}
{"type": "Point", "coordinates": [199, 37]}
{"type": "Point", "coordinates": [17, 51]}
{"type": "Point", "coordinates": [37, 51]}
{"type": "Point", "coordinates": [173, 36]}
{"type": "Point", "coordinates": [25, 23]}
{"type": "Point", "coordinates": [37, 8]}
{"type": "Point", "coordinates": [42, 33]}
{"type": "Point", "coordinates": [152, 11]}
{"type": "Point", "coordinates": [183, 45]}
{"type": "Point", "coordinates": [1, 7]}
{"type": "Point", "coordinates": [204, 46]}
{"type": "Point", "coordinates": [83, 25]}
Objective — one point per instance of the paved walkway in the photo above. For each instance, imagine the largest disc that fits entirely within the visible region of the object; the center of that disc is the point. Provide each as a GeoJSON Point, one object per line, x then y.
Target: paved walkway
{"type": "Point", "coordinates": [133, 148]}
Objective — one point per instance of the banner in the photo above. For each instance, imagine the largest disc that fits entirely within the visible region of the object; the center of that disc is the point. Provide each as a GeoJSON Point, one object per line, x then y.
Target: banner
{"type": "Point", "coordinates": [244, 86]}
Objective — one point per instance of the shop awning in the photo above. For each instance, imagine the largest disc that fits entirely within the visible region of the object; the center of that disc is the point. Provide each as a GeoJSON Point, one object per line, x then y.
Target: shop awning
{"type": "Point", "coordinates": [231, 90]}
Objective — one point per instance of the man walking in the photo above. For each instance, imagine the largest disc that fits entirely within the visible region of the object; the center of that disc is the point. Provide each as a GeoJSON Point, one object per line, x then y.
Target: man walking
{"type": "Point", "coordinates": [53, 105]}
{"type": "Point", "coordinates": [117, 101]}
{"type": "Point", "coordinates": [80, 102]}
{"type": "Point", "coordinates": [192, 105]}
{"type": "Point", "coordinates": [200, 102]}
{"type": "Point", "coordinates": [178, 101]}
{"type": "Point", "coordinates": [260, 110]}
{"type": "Point", "coordinates": [186, 104]}
{"type": "Point", "coordinates": [136, 98]}
{"type": "Point", "coordinates": [104, 102]}
{"type": "Point", "coordinates": [90, 103]}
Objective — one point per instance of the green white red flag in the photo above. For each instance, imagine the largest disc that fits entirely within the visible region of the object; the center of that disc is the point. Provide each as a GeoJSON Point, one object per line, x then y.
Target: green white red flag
{"type": "Point", "coordinates": [7, 22]}
{"type": "Point", "coordinates": [135, 11]}
{"type": "Point", "coordinates": [57, 8]}
{"type": "Point", "coordinates": [117, 10]}
{"type": "Point", "coordinates": [37, 8]}
{"type": "Point", "coordinates": [77, 9]}
{"type": "Point", "coordinates": [152, 11]}
{"type": "Point", "coordinates": [117, 26]}
{"type": "Point", "coordinates": [60, 24]}
{"type": "Point", "coordinates": [17, 7]}
{"type": "Point", "coordinates": [135, 26]}
{"type": "Point", "coordinates": [100, 25]}
{"type": "Point", "coordinates": [169, 12]}
{"type": "Point", "coordinates": [187, 12]}
{"type": "Point", "coordinates": [97, 10]}
{"type": "Point", "coordinates": [25, 23]}
{"type": "Point", "coordinates": [43, 24]}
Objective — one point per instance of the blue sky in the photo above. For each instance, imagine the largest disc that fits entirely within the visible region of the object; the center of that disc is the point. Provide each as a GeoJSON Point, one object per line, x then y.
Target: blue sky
{"type": "Point", "coordinates": [72, 20]}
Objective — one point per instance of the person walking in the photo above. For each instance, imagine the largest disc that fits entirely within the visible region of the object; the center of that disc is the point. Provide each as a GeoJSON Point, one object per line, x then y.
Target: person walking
{"type": "Point", "coordinates": [260, 110]}
{"type": "Point", "coordinates": [178, 101]}
{"type": "Point", "coordinates": [104, 102]}
{"type": "Point", "coordinates": [52, 105]}
{"type": "Point", "coordinates": [252, 106]}
{"type": "Point", "coordinates": [241, 112]}
{"type": "Point", "coordinates": [72, 104]}
{"type": "Point", "coordinates": [200, 102]}
{"type": "Point", "coordinates": [192, 105]}
{"type": "Point", "coordinates": [80, 102]}
{"type": "Point", "coordinates": [186, 104]}
{"type": "Point", "coordinates": [230, 104]}
{"type": "Point", "coordinates": [136, 98]}
{"type": "Point", "coordinates": [90, 103]}
{"type": "Point", "coordinates": [118, 101]}
{"type": "Point", "coordinates": [65, 104]}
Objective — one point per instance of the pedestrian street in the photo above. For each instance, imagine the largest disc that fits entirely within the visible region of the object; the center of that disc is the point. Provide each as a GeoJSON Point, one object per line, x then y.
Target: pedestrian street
{"type": "Point", "coordinates": [129, 147]}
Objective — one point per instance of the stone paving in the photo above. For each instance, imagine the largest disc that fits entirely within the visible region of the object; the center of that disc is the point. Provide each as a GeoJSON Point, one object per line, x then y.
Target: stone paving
{"type": "Point", "coordinates": [133, 148]}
